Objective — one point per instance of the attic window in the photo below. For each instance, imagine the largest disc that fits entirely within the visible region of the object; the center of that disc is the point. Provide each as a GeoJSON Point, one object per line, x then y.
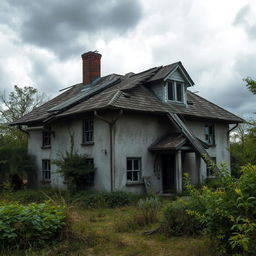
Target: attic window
{"type": "Point", "coordinates": [175, 91]}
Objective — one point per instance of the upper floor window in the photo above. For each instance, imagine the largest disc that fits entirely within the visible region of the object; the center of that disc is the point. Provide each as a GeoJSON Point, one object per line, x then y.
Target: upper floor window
{"type": "Point", "coordinates": [46, 170]}
{"type": "Point", "coordinates": [209, 133]}
{"type": "Point", "coordinates": [46, 139]}
{"type": "Point", "coordinates": [87, 130]}
{"type": "Point", "coordinates": [175, 91]}
{"type": "Point", "coordinates": [133, 169]}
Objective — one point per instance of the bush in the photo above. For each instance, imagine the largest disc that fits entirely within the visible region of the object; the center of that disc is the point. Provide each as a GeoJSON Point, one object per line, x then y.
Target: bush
{"type": "Point", "coordinates": [21, 226]}
{"type": "Point", "coordinates": [26, 196]}
{"type": "Point", "coordinates": [229, 212]}
{"type": "Point", "coordinates": [177, 220]}
{"type": "Point", "coordinates": [90, 199]}
{"type": "Point", "coordinates": [149, 208]}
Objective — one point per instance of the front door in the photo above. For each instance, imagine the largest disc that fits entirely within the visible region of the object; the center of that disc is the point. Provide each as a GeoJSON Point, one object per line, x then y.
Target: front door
{"type": "Point", "coordinates": [168, 173]}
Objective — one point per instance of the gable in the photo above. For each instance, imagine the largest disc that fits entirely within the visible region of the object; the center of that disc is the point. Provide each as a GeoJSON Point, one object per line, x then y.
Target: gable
{"type": "Point", "coordinates": [177, 76]}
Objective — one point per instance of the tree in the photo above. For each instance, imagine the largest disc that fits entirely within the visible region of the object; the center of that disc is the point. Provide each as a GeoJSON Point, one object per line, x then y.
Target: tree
{"type": "Point", "coordinates": [19, 102]}
{"type": "Point", "coordinates": [14, 158]}
{"type": "Point", "coordinates": [251, 84]}
{"type": "Point", "coordinates": [243, 143]}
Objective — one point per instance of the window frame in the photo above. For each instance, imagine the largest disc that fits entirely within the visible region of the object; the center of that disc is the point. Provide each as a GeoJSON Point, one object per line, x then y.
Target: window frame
{"type": "Point", "coordinates": [209, 171]}
{"type": "Point", "coordinates": [174, 84]}
{"type": "Point", "coordinates": [46, 139]}
{"type": "Point", "coordinates": [46, 170]}
{"type": "Point", "coordinates": [209, 137]}
{"type": "Point", "coordinates": [88, 132]}
{"type": "Point", "coordinates": [133, 170]}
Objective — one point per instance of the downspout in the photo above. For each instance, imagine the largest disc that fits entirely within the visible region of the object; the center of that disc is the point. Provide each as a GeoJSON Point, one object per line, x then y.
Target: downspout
{"type": "Point", "coordinates": [111, 125]}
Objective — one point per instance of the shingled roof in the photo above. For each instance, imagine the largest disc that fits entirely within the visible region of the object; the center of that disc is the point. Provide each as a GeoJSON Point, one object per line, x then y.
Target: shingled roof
{"type": "Point", "coordinates": [128, 92]}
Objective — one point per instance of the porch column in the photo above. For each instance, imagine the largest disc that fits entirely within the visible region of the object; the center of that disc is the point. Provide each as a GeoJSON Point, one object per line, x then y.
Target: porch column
{"type": "Point", "coordinates": [198, 168]}
{"type": "Point", "coordinates": [178, 172]}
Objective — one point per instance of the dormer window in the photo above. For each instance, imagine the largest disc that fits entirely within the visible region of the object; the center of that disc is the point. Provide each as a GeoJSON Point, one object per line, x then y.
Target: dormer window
{"type": "Point", "coordinates": [175, 91]}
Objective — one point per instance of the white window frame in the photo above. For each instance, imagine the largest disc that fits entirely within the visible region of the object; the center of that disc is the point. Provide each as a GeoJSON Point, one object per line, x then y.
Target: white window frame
{"type": "Point", "coordinates": [46, 169]}
{"type": "Point", "coordinates": [88, 133]}
{"type": "Point", "coordinates": [209, 138]}
{"type": "Point", "coordinates": [133, 170]}
{"type": "Point", "coordinates": [174, 86]}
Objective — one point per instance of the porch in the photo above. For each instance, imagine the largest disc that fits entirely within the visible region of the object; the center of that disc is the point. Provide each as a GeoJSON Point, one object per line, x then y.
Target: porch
{"type": "Point", "coordinates": [174, 156]}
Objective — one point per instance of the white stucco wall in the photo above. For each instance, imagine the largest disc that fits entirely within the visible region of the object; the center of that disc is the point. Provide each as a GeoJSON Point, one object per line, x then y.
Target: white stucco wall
{"type": "Point", "coordinates": [132, 136]}
{"type": "Point", "coordinates": [219, 150]}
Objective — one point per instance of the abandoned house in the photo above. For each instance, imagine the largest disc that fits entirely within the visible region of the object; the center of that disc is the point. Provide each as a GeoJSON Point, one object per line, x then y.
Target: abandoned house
{"type": "Point", "coordinates": [136, 129]}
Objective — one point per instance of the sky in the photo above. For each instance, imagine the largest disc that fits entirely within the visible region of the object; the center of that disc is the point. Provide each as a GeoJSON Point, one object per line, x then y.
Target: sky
{"type": "Point", "coordinates": [41, 43]}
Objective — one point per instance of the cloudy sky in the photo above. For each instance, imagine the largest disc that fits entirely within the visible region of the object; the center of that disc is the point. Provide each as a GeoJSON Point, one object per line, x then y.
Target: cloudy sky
{"type": "Point", "coordinates": [41, 43]}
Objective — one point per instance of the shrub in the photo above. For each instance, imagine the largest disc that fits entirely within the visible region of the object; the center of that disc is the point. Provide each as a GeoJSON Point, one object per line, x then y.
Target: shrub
{"type": "Point", "coordinates": [229, 212]}
{"type": "Point", "coordinates": [149, 209]}
{"type": "Point", "coordinates": [91, 199]}
{"type": "Point", "coordinates": [177, 220]}
{"type": "Point", "coordinates": [21, 226]}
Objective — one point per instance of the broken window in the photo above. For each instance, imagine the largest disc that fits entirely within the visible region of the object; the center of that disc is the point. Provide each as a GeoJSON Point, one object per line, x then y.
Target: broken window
{"type": "Point", "coordinates": [87, 130]}
{"type": "Point", "coordinates": [209, 134]}
{"type": "Point", "coordinates": [46, 139]}
{"type": "Point", "coordinates": [133, 168]}
{"type": "Point", "coordinates": [46, 170]}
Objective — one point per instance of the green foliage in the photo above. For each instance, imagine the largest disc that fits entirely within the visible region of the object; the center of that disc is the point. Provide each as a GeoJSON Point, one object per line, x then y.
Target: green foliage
{"type": "Point", "coordinates": [243, 147]}
{"type": "Point", "coordinates": [149, 208]}
{"type": "Point", "coordinates": [22, 226]}
{"type": "Point", "coordinates": [229, 212]}
{"type": "Point", "coordinates": [177, 219]}
{"type": "Point", "coordinates": [91, 199]}
{"type": "Point", "coordinates": [26, 196]}
{"type": "Point", "coordinates": [19, 102]}
{"type": "Point", "coordinates": [75, 169]}
{"type": "Point", "coordinates": [250, 84]}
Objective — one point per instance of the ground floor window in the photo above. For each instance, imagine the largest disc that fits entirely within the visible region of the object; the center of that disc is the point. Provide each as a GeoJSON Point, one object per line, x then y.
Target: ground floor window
{"type": "Point", "coordinates": [210, 167]}
{"type": "Point", "coordinates": [46, 170]}
{"type": "Point", "coordinates": [133, 169]}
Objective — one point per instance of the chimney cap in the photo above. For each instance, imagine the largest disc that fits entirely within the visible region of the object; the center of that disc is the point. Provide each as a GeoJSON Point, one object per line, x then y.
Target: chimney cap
{"type": "Point", "coordinates": [91, 53]}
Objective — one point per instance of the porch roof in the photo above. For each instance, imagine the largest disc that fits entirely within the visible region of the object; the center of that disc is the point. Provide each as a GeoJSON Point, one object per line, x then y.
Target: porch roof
{"type": "Point", "coordinates": [169, 142]}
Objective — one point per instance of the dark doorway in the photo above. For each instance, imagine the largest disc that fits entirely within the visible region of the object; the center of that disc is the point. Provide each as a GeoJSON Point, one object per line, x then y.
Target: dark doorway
{"type": "Point", "coordinates": [168, 173]}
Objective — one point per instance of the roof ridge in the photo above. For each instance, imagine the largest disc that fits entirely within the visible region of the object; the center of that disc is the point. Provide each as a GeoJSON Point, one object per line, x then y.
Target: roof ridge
{"type": "Point", "coordinates": [115, 97]}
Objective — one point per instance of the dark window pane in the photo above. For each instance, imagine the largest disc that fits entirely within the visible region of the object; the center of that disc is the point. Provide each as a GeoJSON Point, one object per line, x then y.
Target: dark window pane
{"type": "Point", "coordinates": [129, 176]}
{"type": "Point", "coordinates": [129, 164]}
{"type": "Point", "coordinates": [135, 176]}
{"type": "Point", "coordinates": [170, 91]}
{"type": "Point", "coordinates": [136, 164]}
{"type": "Point", "coordinates": [179, 92]}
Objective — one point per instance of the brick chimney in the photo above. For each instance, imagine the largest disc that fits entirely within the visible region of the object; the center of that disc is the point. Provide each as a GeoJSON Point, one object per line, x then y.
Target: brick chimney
{"type": "Point", "coordinates": [91, 66]}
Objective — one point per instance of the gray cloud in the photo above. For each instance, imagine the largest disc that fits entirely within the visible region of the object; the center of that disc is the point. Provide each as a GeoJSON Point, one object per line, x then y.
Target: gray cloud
{"type": "Point", "coordinates": [58, 25]}
{"type": "Point", "coordinates": [241, 19]}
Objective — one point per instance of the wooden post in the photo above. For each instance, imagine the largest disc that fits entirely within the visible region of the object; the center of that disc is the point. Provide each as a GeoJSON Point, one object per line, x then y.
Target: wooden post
{"type": "Point", "coordinates": [178, 172]}
{"type": "Point", "coordinates": [198, 168]}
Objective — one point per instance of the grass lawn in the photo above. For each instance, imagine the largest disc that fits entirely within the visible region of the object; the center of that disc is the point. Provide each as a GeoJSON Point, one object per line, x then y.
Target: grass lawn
{"type": "Point", "coordinates": [100, 238]}
{"type": "Point", "coordinates": [106, 231]}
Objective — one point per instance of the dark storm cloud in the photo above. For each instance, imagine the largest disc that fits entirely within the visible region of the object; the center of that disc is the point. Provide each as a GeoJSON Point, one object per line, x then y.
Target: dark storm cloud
{"type": "Point", "coordinates": [58, 25]}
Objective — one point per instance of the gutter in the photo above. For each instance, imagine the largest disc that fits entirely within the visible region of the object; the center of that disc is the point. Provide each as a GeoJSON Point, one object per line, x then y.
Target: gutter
{"type": "Point", "coordinates": [233, 128]}
{"type": "Point", "coordinates": [111, 144]}
{"type": "Point", "coordinates": [20, 128]}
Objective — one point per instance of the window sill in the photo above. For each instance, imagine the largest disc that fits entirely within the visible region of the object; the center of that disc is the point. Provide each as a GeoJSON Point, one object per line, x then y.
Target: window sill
{"type": "Point", "coordinates": [45, 182]}
{"type": "Point", "coordinates": [89, 143]}
{"type": "Point", "coordinates": [134, 183]}
{"type": "Point", "coordinates": [46, 147]}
